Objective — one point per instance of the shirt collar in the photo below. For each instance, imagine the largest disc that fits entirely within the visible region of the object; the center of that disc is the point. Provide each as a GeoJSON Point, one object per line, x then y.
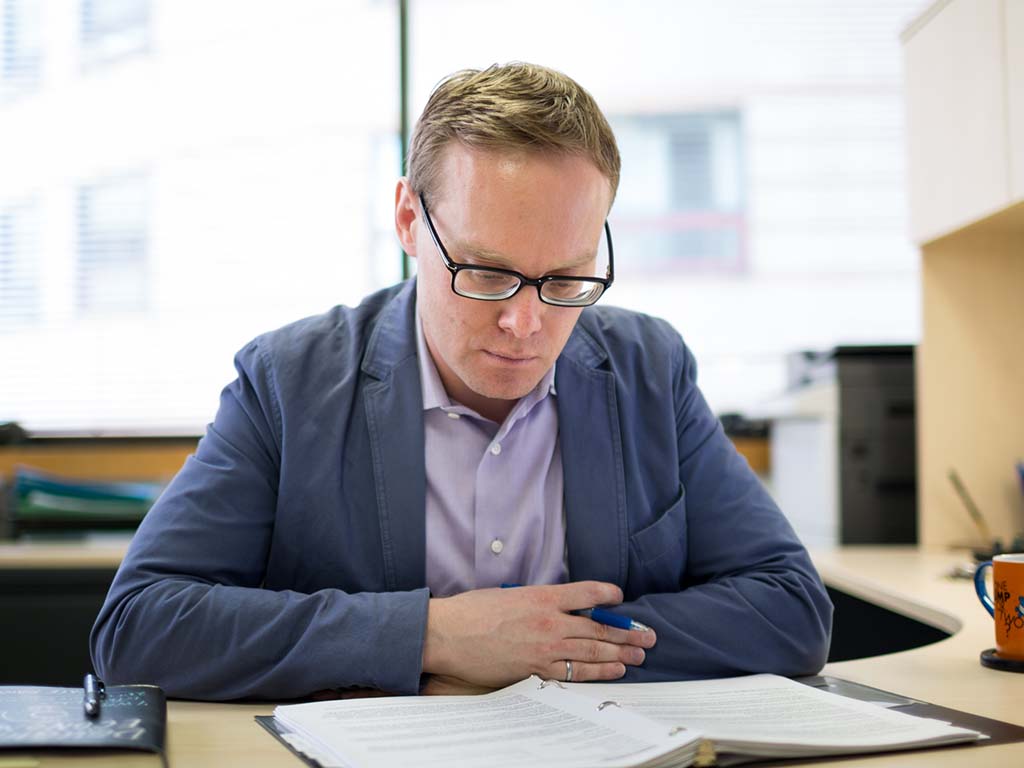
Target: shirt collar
{"type": "Point", "coordinates": [435, 395]}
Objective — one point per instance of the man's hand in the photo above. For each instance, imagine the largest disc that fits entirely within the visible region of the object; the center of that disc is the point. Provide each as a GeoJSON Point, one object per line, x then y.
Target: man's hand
{"type": "Point", "coordinates": [494, 637]}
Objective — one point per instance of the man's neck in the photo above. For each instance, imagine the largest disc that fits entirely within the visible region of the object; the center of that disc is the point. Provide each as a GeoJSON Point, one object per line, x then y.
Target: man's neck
{"type": "Point", "coordinates": [495, 409]}
{"type": "Point", "coordinates": [490, 408]}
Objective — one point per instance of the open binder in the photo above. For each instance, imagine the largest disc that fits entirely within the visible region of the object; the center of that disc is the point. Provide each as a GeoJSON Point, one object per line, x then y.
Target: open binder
{"type": "Point", "coordinates": [538, 723]}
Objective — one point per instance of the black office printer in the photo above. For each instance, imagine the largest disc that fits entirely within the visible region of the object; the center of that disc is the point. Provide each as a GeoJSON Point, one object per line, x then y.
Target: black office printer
{"type": "Point", "coordinates": [877, 438]}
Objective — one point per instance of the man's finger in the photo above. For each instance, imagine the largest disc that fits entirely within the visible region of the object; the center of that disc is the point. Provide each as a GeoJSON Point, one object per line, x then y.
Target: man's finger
{"type": "Point", "coordinates": [578, 595]}
{"type": "Point", "coordinates": [583, 672]}
{"type": "Point", "coordinates": [594, 652]}
{"type": "Point", "coordinates": [583, 627]}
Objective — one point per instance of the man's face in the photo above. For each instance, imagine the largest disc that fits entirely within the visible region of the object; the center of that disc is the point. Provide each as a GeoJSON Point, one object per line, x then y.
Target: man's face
{"type": "Point", "coordinates": [534, 213]}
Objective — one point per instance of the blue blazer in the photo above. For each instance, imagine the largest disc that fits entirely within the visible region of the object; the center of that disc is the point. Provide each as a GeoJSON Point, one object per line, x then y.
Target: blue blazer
{"type": "Point", "coordinates": [288, 555]}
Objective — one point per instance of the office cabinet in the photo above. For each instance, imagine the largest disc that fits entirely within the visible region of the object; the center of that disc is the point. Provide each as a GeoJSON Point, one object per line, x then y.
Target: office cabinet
{"type": "Point", "coordinates": [1015, 93]}
{"type": "Point", "coordinates": [958, 86]}
{"type": "Point", "coordinates": [48, 614]}
{"type": "Point", "coordinates": [964, 64]}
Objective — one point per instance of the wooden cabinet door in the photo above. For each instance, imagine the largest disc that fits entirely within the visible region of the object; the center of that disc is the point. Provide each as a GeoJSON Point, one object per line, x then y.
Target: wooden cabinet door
{"type": "Point", "coordinates": [1015, 94]}
{"type": "Point", "coordinates": [956, 116]}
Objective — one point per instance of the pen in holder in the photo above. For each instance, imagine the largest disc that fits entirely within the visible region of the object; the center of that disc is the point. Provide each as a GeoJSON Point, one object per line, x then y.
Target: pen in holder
{"type": "Point", "coordinates": [991, 545]}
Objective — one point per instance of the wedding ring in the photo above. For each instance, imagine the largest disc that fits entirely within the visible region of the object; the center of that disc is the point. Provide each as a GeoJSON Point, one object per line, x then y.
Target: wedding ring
{"type": "Point", "coordinates": [568, 671]}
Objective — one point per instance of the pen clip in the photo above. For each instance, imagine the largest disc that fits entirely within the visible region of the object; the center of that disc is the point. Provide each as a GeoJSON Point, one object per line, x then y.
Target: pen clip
{"type": "Point", "coordinates": [98, 686]}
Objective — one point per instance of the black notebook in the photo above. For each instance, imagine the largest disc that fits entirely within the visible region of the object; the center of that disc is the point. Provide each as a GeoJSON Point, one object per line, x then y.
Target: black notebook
{"type": "Point", "coordinates": [33, 718]}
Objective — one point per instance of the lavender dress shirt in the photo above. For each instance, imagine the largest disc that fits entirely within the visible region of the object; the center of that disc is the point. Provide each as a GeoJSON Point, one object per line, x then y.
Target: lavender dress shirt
{"type": "Point", "coordinates": [494, 492]}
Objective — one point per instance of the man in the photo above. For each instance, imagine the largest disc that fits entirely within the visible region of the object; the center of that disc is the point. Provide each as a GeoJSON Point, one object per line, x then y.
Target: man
{"type": "Point", "coordinates": [375, 474]}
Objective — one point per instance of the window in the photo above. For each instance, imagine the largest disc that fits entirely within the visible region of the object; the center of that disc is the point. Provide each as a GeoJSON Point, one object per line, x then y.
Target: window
{"type": "Point", "coordinates": [762, 180]}
{"type": "Point", "coordinates": [113, 28]}
{"type": "Point", "coordinates": [21, 47]}
{"type": "Point", "coordinates": [20, 231]}
{"type": "Point", "coordinates": [680, 202]}
{"type": "Point", "coordinates": [112, 267]}
{"type": "Point", "coordinates": [236, 177]}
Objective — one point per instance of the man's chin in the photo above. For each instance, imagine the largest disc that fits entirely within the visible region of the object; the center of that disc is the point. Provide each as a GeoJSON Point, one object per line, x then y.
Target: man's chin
{"type": "Point", "coordinates": [508, 387]}
{"type": "Point", "coordinates": [506, 393]}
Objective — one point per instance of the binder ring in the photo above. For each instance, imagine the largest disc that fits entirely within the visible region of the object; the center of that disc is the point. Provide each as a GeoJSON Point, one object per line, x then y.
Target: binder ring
{"type": "Point", "coordinates": [546, 683]}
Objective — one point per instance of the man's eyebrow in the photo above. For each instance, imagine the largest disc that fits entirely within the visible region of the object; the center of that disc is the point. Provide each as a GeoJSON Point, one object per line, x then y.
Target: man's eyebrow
{"type": "Point", "coordinates": [477, 252]}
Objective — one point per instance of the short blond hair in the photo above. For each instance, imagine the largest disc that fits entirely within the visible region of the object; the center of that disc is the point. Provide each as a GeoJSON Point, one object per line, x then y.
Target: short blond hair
{"type": "Point", "coordinates": [515, 106]}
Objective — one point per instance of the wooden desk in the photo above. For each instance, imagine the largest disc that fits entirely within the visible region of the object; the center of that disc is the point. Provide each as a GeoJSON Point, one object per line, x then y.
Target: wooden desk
{"type": "Point", "coordinates": [946, 673]}
{"type": "Point", "coordinates": [101, 553]}
{"type": "Point", "coordinates": [900, 578]}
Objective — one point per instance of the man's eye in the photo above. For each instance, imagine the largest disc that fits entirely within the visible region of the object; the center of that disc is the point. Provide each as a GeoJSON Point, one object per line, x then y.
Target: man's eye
{"type": "Point", "coordinates": [495, 282]}
{"type": "Point", "coordinates": [491, 277]}
{"type": "Point", "coordinates": [564, 288]}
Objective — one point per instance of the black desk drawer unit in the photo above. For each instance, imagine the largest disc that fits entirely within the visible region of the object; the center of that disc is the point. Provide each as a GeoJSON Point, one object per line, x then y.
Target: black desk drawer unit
{"type": "Point", "coordinates": [46, 618]}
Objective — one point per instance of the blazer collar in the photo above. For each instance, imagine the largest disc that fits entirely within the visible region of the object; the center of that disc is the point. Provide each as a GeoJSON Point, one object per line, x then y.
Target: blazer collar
{"type": "Point", "coordinates": [582, 348]}
{"type": "Point", "coordinates": [393, 340]}
{"type": "Point", "coordinates": [394, 422]}
{"type": "Point", "coordinates": [592, 461]}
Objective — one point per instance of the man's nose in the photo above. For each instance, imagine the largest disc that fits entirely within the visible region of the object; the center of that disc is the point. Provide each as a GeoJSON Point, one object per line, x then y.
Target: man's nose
{"type": "Point", "coordinates": [521, 315]}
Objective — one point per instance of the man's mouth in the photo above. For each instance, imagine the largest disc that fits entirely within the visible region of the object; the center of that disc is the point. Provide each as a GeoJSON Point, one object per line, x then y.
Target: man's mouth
{"type": "Point", "coordinates": [510, 358]}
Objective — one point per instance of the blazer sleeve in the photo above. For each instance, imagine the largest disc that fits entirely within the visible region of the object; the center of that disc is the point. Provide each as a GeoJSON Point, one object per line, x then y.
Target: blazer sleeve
{"type": "Point", "coordinates": [187, 609]}
{"type": "Point", "coordinates": [751, 601]}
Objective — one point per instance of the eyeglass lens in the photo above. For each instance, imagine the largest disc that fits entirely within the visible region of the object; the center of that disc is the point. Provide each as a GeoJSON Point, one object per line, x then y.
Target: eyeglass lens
{"type": "Point", "coordinates": [484, 284]}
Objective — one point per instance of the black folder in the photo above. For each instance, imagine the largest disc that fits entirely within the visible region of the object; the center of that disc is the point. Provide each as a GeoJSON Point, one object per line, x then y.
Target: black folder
{"type": "Point", "coordinates": [35, 718]}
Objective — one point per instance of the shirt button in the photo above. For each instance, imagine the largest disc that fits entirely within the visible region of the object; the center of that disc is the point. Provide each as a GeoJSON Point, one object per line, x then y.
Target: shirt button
{"type": "Point", "coordinates": [495, 449]}
{"type": "Point", "coordinates": [452, 415]}
{"type": "Point", "coordinates": [497, 546]}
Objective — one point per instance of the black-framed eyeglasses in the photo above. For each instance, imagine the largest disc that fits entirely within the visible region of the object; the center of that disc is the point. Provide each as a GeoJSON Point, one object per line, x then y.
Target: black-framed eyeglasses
{"type": "Point", "coordinates": [495, 284]}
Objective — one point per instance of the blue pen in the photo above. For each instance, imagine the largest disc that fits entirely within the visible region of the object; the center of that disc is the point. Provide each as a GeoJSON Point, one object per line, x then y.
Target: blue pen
{"type": "Point", "coordinates": [602, 616]}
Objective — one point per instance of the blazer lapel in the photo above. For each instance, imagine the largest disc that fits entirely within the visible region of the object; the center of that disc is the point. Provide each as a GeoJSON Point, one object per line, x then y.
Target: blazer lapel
{"type": "Point", "coordinates": [394, 418]}
{"type": "Point", "coordinates": [595, 489]}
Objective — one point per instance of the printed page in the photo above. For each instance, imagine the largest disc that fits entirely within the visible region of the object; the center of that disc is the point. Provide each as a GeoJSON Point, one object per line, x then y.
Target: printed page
{"type": "Point", "coordinates": [523, 725]}
{"type": "Point", "coordinates": [767, 714]}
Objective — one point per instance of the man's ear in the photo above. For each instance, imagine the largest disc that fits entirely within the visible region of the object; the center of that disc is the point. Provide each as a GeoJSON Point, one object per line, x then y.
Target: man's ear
{"type": "Point", "coordinates": [407, 218]}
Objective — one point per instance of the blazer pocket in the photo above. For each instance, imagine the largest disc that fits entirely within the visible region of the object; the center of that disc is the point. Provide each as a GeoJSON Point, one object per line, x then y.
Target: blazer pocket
{"type": "Point", "coordinates": [665, 536]}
